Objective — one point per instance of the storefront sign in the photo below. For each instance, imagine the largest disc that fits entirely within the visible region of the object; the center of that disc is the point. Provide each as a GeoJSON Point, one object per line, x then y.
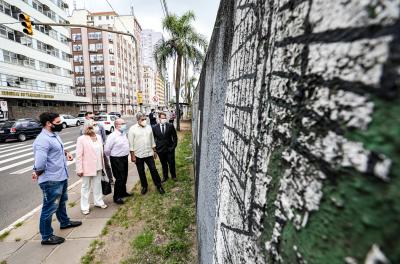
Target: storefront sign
{"type": "Point", "coordinates": [27, 94]}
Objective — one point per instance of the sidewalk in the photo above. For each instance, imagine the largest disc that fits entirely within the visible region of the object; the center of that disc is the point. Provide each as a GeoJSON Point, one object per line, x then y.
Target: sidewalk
{"type": "Point", "coordinates": [22, 245]}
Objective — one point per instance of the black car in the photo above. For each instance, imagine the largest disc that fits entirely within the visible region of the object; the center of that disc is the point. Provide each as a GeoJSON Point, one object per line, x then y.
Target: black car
{"type": "Point", "coordinates": [115, 113]}
{"type": "Point", "coordinates": [20, 129]}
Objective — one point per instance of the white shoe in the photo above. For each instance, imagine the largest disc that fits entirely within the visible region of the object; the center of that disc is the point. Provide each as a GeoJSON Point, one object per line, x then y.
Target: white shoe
{"type": "Point", "coordinates": [85, 212]}
{"type": "Point", "coordinates": [104, 206]}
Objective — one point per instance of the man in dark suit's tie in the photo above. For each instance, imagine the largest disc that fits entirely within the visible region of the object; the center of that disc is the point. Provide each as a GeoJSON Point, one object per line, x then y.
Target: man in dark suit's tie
{"type": "Point", "coordinates": [166, 142]}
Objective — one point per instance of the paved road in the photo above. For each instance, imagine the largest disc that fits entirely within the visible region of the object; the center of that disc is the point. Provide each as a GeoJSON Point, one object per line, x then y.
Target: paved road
{"type": "Point", "coordinates": [18, 194]}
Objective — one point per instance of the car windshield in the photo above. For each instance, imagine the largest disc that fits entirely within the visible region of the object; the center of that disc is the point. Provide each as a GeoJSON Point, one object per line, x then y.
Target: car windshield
{"type": "Point", "coordinates": [81, 115]}
{"type": "Point", "coordinates": [100, 118]}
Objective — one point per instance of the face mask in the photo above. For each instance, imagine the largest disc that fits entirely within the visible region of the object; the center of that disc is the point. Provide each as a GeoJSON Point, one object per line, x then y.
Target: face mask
{"type": "Point", "coordinates": [56, 127]}
{"type": "Point", "coordinates": [123, 129]}
{"type": "Point", "coordinates": [163, 121]}
{"type": "Point", "coordinates": [143, 123]}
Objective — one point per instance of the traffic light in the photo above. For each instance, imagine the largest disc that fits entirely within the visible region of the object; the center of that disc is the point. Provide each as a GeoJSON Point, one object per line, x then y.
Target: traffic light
{"type": "Point", "coordinates": [26, 23]}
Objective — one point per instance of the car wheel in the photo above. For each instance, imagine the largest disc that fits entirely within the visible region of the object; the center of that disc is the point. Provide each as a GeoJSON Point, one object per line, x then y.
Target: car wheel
{"type": "Point", "coordinates": [21, 137]}
{"type": "Point", "coordinates": [111, 129]}
{"type": "Point", "coordinates": [2, 140]}
{"type": "Point", "coordinates": [78, 123]}
{"type": "Point", "coordinates": [64, 125]}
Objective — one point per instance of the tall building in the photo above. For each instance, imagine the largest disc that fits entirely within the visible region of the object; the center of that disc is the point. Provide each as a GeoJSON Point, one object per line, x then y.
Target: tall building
{"type": "Point", "coordinates": [106, 68]}
{"type": "Point", "coordinates": [149, 88]}
{"type": "Point", "coordinates": [150, 39]}
{"type": "Point", "coordinates": [35, 71]}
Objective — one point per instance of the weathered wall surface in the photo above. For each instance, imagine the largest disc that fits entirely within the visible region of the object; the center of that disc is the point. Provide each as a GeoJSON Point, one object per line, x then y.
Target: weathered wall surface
{"type": "Point", "coordinates": [297, 133]}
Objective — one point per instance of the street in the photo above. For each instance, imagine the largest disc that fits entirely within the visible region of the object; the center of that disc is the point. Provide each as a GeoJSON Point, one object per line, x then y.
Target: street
{"type": "Point", "coordinates": [18, 194]}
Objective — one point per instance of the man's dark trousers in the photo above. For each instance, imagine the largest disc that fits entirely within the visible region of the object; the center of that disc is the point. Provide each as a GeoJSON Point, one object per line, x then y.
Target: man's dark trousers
{"type": "Point", "coordinates": [153, 171]}
{"type": "Point", "coordinates": [167, 160]}
{"type": "Point", "coordinates": [119, 166]}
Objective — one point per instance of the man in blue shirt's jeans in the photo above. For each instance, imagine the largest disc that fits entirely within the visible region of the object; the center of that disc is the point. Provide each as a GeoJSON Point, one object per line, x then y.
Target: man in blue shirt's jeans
{"type": "Point", "coordinates": [51, 172]}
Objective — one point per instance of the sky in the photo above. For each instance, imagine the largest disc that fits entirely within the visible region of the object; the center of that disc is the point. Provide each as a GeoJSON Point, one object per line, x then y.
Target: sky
{"type": "Point", "coordinates": [149, 12]}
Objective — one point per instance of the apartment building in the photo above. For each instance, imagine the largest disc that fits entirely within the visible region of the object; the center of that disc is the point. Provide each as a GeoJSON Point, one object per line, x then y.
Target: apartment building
{"type": "Point", "coordinates": [105, 64]}
{"type": "Point", "coordinates": [35, 71]}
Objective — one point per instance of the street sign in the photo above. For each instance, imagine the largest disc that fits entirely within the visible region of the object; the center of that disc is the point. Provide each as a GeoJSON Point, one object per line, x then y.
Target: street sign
{"type": "Point", "coordinates": [3, 106]}
{"type": "Point", "coordinates": [155, 98]}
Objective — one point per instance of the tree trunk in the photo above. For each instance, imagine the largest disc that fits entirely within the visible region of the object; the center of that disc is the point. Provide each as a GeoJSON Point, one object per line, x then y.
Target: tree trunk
{"type": "Point", "coordinates": [177, 88]}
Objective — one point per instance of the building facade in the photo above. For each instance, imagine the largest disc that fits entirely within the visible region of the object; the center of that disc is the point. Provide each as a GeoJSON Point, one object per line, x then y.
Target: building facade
{"type": "Point", "coordinates": [105, 64]}
{"type": "Point", "coordinates": [35, 71]}
{"type": "Point", "coordinates": [150, 39]}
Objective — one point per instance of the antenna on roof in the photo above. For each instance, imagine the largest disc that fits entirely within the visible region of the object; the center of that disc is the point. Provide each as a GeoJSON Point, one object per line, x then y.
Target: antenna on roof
{"type": "Point", "coordinates": [132, 10]}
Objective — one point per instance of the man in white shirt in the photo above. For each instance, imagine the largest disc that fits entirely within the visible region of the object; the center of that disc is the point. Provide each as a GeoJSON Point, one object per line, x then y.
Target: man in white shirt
{"type": "Point", "coordinates": [117, 148]}
{"type": "Point", "coordinates": [142, 147]}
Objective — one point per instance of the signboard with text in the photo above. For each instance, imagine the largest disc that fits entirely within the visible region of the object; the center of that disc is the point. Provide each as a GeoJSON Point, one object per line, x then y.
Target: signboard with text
{"type": "Point", "coordinates": [3, 106]}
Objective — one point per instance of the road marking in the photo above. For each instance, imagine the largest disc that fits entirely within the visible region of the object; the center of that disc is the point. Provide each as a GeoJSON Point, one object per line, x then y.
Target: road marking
{"type": "Point", "coordinates": [10, 146]}
{"type": "Point", "coordinates": [26, 169]}
{"type": "Point", "coordinates": [25, 155]}
{"type": "Point", "coordinates": [28, 149]}
{"type": "Point", "coordinates": [31, 213]}
{"type": "Point", "coordinates": [15, 148]}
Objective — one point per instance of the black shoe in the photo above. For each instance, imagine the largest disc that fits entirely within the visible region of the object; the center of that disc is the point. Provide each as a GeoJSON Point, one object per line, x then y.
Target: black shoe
{"type": "Point", "coordinates": [119, 201]}
{"type": "Point", "coordinates": [144, 191]}
{"type": "Point", "coordinates": [54, 240]}
{"type": "Point", "coordinates": [161, 190]}
{"type": "Point", "coordinates": [164, 180]}
{"type": "Point", "coordinates": [174, 179]}
{"type": "Point", "coordinates": [71, 224]}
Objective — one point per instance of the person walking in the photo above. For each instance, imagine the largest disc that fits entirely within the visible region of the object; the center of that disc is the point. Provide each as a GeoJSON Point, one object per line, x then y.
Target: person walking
{"type": "Point", "coordinates": [166, 142]}
{"type": "Point", "coordinates": [117, 148]}
{"type": "Point", "coordinates": [89, 166]}
{"type": "Point", "coordinates": [142, 147]}
{"type": "Point", "coordinates": [153, 117]}
{"type": "Point", "coordinates": [172, 117]}
{"type": "Point", "coordinates": [100, 130]}
{"type": "Point", "coordinates": [51, 172]}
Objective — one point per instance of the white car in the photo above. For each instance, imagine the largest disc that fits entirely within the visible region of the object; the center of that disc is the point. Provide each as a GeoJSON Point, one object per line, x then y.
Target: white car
{"type": "Point", "coordinates": [69, 120]}
{"type": "Point", "coordinates": [107, 121]}
{"type": "Point", "coordinates": [81, 117]}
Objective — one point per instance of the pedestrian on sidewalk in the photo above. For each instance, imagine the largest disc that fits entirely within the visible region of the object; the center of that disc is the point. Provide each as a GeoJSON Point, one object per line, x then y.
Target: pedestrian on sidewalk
{"type": "Point", "coordinates": [89, 166]}
{"type": "Point", "coordinates": [143, 150]}
{"type": "Point", "coordinates": [117, 148]}
{"type": "Point", "coordinates": [172, 117]}
{"type": "Point", "coordinates": [99, 130]}
{"type": "Point", "coordinates": [166, 142]}
{"type": "Point", "coordinates": [51, 172]}
{"type": "Point", "coordinates": [153, 117]}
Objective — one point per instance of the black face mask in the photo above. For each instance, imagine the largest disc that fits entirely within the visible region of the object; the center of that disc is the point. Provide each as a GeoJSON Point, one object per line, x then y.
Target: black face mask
{"type": "Point", "coordinates": [56, 127]}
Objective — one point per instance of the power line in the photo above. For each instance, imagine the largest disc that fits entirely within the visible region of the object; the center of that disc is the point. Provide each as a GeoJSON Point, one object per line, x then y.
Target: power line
{"type": "Point", "coordinates": [123, 24]}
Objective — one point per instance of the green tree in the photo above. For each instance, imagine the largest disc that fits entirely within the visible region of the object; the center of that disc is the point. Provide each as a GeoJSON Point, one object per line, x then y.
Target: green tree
{"type": "Point", "coordinates": [183, 43]}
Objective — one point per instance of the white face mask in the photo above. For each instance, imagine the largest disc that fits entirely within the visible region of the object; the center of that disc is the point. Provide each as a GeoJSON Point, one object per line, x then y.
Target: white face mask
{"type": "Point", "coordinates": [143, 123]}
{"type": "Point", "coordinates": [163, 121]}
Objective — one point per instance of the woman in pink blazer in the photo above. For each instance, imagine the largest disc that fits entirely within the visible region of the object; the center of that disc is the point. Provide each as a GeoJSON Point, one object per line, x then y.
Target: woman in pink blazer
{"type": "Point", "coordinates": [89, 166]}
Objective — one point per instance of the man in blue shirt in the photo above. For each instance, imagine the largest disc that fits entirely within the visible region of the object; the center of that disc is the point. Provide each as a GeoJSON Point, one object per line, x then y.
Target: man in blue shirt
{"type": "Point", "coordinates": [51, 171]}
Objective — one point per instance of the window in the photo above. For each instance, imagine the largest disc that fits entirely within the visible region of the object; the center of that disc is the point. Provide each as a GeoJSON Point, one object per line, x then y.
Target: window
{"type": "Point", "coordinates": [78, 58]}
{"type": "Point", "coordinates": [111, 57]}
{"type": "Point", "coordinates": [99, 17]}
{"type": "Point", "coordinates": [5, 8]}
{"type": "Point", "coordinates": [76, 36]}
{"type": "Point", "coordinates": [94, 35]}
{"type": "Point", "coordinates": [79, 69]}
{"type": "Point", "coordinates": [77, 47]}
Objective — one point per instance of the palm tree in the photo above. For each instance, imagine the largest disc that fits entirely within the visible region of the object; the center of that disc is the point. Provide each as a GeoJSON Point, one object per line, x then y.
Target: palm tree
{"type": "Point", "coordinates": [184, 42]}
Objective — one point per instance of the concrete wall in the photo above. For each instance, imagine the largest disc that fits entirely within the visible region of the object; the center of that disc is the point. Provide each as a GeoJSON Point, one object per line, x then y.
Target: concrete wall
{"type": "Point", "coordinates": [297, 132]}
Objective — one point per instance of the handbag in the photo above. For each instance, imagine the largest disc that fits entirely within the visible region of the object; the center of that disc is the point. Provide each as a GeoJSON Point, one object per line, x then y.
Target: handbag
{"type": "Point", "coordinates": [105, 184]}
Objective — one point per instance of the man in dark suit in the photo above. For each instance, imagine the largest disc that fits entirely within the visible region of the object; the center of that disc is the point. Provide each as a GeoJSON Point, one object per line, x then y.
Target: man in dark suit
{"type": "Point", "coordinates": [166, 142]}
{"type": "Point", "coordinates": [153, 117]}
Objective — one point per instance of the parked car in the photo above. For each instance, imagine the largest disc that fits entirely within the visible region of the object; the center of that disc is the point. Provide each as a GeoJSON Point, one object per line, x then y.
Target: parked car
{"type": "Point", "coordinates": [118, 114]}
{"type": "Point", "coordinates": [69, 120]}
{"type": "Point", "coordinates": [81, 117]}
{"type": "Point", "coordinates": [107, 121]}
{"type": "Point", "coordinates": [20, 129]}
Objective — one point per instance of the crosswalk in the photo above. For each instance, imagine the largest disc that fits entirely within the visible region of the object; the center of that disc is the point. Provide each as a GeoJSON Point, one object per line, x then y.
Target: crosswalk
{"type": "Point", "coordinates": [18, 158]}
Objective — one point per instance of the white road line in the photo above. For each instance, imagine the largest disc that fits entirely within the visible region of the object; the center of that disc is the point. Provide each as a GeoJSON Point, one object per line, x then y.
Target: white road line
{"type": "Point", "coordinates": [26, 169]}
{"type": "Point", "coordinates": [31, 213]}
{"type": "Point", "coordinates": [10, 146]}
{"type": "Point", "coordinates": [15, 148]}
{"type": "Point", "coordinates": [24, 150]}
{"type": "Point", "coordinates": [25, 155]}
